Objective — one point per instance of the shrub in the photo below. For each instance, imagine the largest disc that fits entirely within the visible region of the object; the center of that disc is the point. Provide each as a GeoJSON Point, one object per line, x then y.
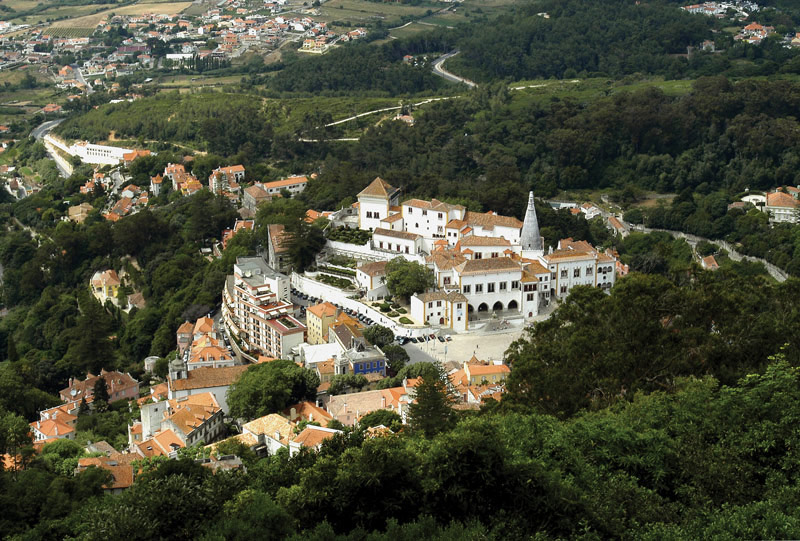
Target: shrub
{"type": "Point", "coordinates": [395, 305]}
{"type": "Point", "coordinates": [385, 308]}
{"type": "Point", "coordinates": [402, 311]}
{"type": "Point", "coordinates": [393, 314]}
{"type": "Point", "coordinates": [405, 320]}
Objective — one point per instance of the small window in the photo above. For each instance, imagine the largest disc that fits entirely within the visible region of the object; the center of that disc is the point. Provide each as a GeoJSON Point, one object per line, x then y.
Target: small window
{"type": "Point", "coordinates": [410, 210]}
{"type": "Point", "coordinates": [438, 304]}
{"type": "Point", "coordinates": [466, 289]}
{"type": "Point", "coordinates": [530, 296]}
{"type": "Point", "coordinates": [589, 271]}
{"type": "Point", "coordinates": [478, 288]}
{"type": "Point", "coordinates": [503, 286]}
{"type": "Point", "coordinates": [478, 255]}
{"type": "Point", "coordinates": [576, 273]}
{"type": "Point", "coordinates": [490, 287]}
{"type": "Point", "coordinates": [564, 273]}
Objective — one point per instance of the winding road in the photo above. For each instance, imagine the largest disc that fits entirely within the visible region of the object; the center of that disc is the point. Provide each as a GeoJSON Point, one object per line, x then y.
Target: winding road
{"type": "Point", "coordinates": [438, 69]}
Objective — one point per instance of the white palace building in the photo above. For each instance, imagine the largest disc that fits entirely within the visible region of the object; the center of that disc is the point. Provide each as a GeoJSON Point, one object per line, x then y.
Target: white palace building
{"type": "Point", "coordinates": [483, 262]}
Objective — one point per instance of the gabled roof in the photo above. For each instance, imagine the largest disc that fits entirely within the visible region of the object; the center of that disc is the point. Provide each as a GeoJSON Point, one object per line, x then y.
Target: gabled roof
{"type": "Point", "coordinates": [781, 199]}
{"type": "Point", "coordinates": [313, 436]}
{"type": "Point", "coordinates": [269, 425]}
{"type": "Point", "coordinates": [446, 259]}
{"type": "Point", "coordinates": [475, 240]}
{"type": "Point", "coordinates": [322, 310]}
{"type": "Point", "coordinates": [376, 268]}
{"type": "Point", "coordinates": [378, 188]}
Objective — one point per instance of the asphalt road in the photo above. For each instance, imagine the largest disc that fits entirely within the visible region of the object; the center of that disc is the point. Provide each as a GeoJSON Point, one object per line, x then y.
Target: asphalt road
{"type": "Point", "coordinates": [44, 128]}
{"type": "Point", "coordinates": [441, 72]}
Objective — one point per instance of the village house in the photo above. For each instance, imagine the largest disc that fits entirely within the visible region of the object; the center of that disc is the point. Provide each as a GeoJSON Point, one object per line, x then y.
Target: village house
{"type": "Point", "coordinates": [293, 185]}
{"type": "Point", "coordinates": [311, 437]}
{"type": "Point", "coordinates": [782, 205]}
{"type": "Point", "coordinates": [120, 387]}
{"type": "Point", "coordinates": [318, 319]}
{"type": "Point", "coordinates": [278, 248]}
{"type": "Point", "coordinates": [184, 382]}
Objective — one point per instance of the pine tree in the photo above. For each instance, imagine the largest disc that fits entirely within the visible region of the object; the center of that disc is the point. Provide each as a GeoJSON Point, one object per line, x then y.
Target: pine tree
{"type": "Point", "coordinates": [101, 396]}
{"type": "Point", "coordinates": [432, 410]}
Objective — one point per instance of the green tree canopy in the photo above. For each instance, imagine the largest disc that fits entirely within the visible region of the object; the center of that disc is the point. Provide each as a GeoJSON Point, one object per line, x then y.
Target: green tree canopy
{"type": "Point", "coordinates": [404, 278]}
{"type": "Point", "coordinates": [269, 388]}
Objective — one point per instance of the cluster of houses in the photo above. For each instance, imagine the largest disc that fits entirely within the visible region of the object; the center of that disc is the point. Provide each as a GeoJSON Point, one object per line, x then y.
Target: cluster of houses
{"type": "Point", "coordinates": [754, 33]}
{"type": "Point", "coordinates": [741, 9]}
{"type": "Point", "coordinates": [223, 32]}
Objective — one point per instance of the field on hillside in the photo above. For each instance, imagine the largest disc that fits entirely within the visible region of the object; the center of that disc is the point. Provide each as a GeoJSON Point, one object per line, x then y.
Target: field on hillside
{"type": "Point", "coordinates": [91, 21]}
{"type": "Point", "coordinates": [358, 12]}
{"type": "Point", "coordinates": [62, 12]}
{"type": "Point", "coordinates": [18, 105]}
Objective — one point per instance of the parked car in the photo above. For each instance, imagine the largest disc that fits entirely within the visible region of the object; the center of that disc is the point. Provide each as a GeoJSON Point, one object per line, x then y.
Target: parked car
{"type": "Point", "coordinates": [441, 338]}
{"type": "Point", "coordinates": [449, 338]}
{"type": "Point", "coordinates": [413, 339]}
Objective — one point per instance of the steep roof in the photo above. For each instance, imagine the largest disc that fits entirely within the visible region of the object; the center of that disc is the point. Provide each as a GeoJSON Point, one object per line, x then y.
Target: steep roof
{"type": "Point", "coordinates": [376, 268]}
{"type": "Point", "coordinates": [446, 259]}
{"type": "Point", "coordinates": [269, 425]}
{"type": "Point", "coordinates": [312, 436]}
{"type": "Point", "coordinates": [322, 310]}
{"type": "Point", "coordinates": [378, 188]}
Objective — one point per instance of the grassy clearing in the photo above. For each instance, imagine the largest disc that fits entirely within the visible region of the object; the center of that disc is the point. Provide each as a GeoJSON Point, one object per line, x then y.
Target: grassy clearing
{"type": "Point", "coordinates": [197, 81]}
{"type": "Point", "coordinates": [410, 30]}
{"type": "Point", "coordinates": [589, 89]}
{"type": "Point", "coordinates": [60, 12]}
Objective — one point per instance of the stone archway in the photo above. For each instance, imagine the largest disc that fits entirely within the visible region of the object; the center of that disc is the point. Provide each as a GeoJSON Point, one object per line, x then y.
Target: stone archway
{"type": "Point", "coordinates": [512, 305]}
{"type": "Point", "coordinates": [483, 307]}
{"type": "Point", "coordinates": [498, 306]}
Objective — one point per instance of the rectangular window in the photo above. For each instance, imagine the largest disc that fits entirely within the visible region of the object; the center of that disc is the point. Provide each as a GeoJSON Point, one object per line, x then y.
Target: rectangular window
{"type": "Point", "coordinates": [515, 284]}
{"type": "Point", "coordinates": [495, 254]}
{"type": "Point", "coordinates": [576, 273]}
{"type": "Point", "coordinates": [478, 255]}
{"type": "Point", "coordinates": [563, 289]}
{"type": "Point", "coordinates": [446, 280]}
{"type": "Point", "coordinates": [369, 214]}
{"type": "Point", "coordinates": [466, 289]}
{"type": "Point", "coordinates": [490, 287]}
{"type": "Point", "coordinates": [430, 305]}
{"type": "Point", "coordinates": [589, 271]}
{"type": "Point", "coordinates": [458, 306]}
{"type": "Point", "coordinates": [439, 229]}
{"type": "Point", "coordinates": [380, 244]}
{"type": "Point", "coordinates": [503, 286]}
{"type": "Point", "coordinates": [564, 273]}
{"type": "Point", "coordinates": [406, 249]}
{"type": "Point", "coordinates": [438, 304]}
{"type": "Point", "coordinates": [410, 210]}
{"type": "Point", "coordinates": [478, 288]}
{"type": "Point", "coordinates": [530, 296]}
{"type": "Point", "coordinates": [424, 212]}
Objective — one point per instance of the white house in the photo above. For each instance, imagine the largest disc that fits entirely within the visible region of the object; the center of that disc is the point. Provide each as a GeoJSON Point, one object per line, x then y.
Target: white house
{"type": "Point", "coordinates": [440, 308]}
{"type": "Point", "coordinates": [578, 263]}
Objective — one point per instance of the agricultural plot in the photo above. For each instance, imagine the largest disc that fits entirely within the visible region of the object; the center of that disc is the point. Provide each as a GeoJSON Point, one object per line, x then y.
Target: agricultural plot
{"type": "Point", "coordinates": [69, 31]}
{"type": "Point", "coordinates": [91, 21]}
{"type": "Point", "coordinates": [358, 12]}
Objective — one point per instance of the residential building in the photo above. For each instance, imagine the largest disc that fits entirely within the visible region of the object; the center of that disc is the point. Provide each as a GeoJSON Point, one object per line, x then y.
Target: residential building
{"type": "Point", "coordinates": [782, 207]}
{"type": "Point", "coordinates": [307, 411]}
{"type": "Point", "coordinates": [311, 437]}
{"type": "Point", "coordinates": [479, 372]}
{"type": "Point", "coordinates": [155, 185]}
{"type": "Point", "coordinates": [120, 387]}
{"type": "Point", "coordinates": [709, 263]}
{"type": "Point", "coordinates": [184, 382]}
{"type": "Point", "coordinates": [578, 263]}
{"type": "Point", "coordinates": [105, 285]}
{"type": "Point", "coordinates": [226, 179]}
{"type": "Point", "coordinates": [349, 408]}
{"type": "Point", "coordinates": [184, 337]}
{"type": "Point", "coordinates": [318, 318]}
{"type": "Point", "coordinates": [278, 248]}
{"type": "Point", "coordinates": [293, 185]}
{"type": "Point", "coordinates": [56, 423]}
{"type": "Point", "coordinates": [120, 467]}
{"type": "Point", "coordinates": [398, 242]}
{"type": "Point", "coordinates": [239, 225]}
{"type": "Point", "coordinates": [254, 196]}
{"type": "Point", "coordinates": [192, 419]}
{"type": "Point", "coordinates": [272, 431]}
{"type": "Point", "coordinates": [256, 309]}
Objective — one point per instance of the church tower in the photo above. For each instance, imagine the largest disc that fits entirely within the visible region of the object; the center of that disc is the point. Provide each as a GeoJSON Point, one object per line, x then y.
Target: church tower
{"type": "Point", "coordinates": [530, 238]}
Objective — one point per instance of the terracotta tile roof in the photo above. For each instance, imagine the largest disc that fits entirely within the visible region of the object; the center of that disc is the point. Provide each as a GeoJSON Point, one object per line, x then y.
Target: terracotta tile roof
{"type": "Point", "coordinates": [256, 192]}
{"type": "Point", "coordinates": [279, 238]}
{"type": "Point", "coordinates": [577, 245]}
{"type": "Point", "coordinates": [206, 377]}
{"type": "Point", "coordinates": [186, 328]}
{"type": "Point", "coordinates": [285, 182]}
{"type": "Point", "coordinates": [378, 188]}
{"type": "Point", "coordinates": [204, 325]}
{"type": "Point", "coordinates": [456, 224]}
{"type": "Point", "coordinates": [121, 471]}
{"type": "Point", "coordinates": [781, 199]}
{"type": "Point", "coordinates": [307, 411]}
{"type": "Point", "coordinates": [377, 268]}
{"type": "Point", "coordinates": [395, 234]}
{"type": "Point", "coordinates": [475, 240]}
{"type": "Point", "coordinates": [569, 255]}
{"type": "Point", "coordinates": [312, 436]}
{"type": "Point", "coordinates": [269, 425]}
{"type": "Point", "coordinates": [322, 310]}
{"type": "Point", "coordinates": [433, 204]}
{"type": "Point", "coordinates": [446, 259]}
{"type": "Point", "coordinates": [615, 223]}
{"type": "Point", "coordinates": [393, 218]}
{"type": "Point", "coordinates": [489, 220]}
{"type": "Point", "coordinates": [492, 264]}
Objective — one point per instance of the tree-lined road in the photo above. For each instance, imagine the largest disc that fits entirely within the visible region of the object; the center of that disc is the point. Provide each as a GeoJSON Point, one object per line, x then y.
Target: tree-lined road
{"type": "Point", "coordinates": [439, 70]}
